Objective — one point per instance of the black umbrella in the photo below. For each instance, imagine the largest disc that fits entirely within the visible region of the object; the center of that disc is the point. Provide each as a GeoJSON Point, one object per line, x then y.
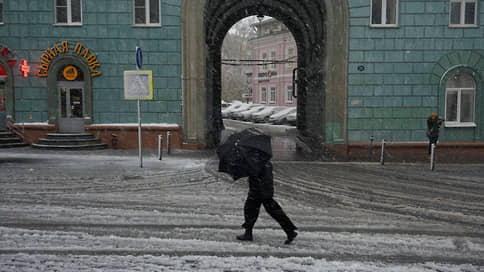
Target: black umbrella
{"type": "Point", "coordinates": [244, 153]}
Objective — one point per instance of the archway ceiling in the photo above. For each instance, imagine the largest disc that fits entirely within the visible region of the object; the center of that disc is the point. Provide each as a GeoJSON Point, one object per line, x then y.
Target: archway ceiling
{"type": "Point", "coordinates": [298, 16]}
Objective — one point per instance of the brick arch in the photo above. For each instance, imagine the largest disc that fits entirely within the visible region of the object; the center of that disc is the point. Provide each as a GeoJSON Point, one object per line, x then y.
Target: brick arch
{"type": "Point", "coordinates": [463, 59]}
{"type": "Point", "coordinates": [320, 29]}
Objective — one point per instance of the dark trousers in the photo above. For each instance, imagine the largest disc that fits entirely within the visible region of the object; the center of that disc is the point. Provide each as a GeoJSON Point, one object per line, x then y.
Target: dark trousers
{"type": "Point", "coordinates": [251, 213]}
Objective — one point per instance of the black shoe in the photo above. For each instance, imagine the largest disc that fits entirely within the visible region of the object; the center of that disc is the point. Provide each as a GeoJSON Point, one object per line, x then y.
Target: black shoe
{"type": "Point", "coordinates": [245, 237]}
{"type": "Point", "coordinates": [290, 237]}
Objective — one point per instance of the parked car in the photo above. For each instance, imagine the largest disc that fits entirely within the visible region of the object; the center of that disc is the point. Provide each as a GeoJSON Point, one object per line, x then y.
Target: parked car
{"type": "Point", "coordinates": [242, 108]}
{"type": "Point", "coordinates": [246, 115]}
{"type": "Point", "coordinates": [226, 112]}
{"type": "Point", "coordinates": [290, 119]}
{"type": "Point", "coordinates": [278, 118]}
{"type": "Point", "coordinates": [263, 115]}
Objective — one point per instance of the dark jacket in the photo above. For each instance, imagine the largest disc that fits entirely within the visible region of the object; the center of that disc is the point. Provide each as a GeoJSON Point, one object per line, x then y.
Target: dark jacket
{"type": "Point", "coordinates": [433, 126]}
{"type": "Point", "coordinates": [262, 185]}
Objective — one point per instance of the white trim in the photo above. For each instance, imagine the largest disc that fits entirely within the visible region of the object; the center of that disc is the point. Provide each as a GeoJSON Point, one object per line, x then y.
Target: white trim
{"type": "Point", "coordinates": [260, 95]}
{"type": "Point", "coordinates": [384, 15]}
{"type": "Point", "coordinates": [459, 124]}
{"type": "Point", "coordinates": [462, 14]}
{"type": "Point", "coordinates": [272, 87]}
{"type": "Point", "coordinates": [69, 14]}
{"type": "Point", "coordinates": [147, 20]}
{"type": "Point", "coordinates": [288, 97]}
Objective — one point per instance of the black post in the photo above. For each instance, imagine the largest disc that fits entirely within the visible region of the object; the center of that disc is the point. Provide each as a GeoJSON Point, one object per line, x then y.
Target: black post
{"type": "Point", "coordinates": [370, 155]}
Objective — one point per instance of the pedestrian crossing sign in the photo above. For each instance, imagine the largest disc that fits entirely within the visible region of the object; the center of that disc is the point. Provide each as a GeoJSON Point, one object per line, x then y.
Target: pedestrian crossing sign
{"type": "Point", "coordinates": [138, 85]}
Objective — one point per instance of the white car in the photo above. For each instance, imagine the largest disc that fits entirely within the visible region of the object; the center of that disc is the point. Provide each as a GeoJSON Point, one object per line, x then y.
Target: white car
{"type": "Point", "coordinates": [278, 118]}
{"type": "Point", "coordinates": [226, 112]}
{"type": "Point", "coordinates": [263, 115]}
{"type": "Point", "coordinates": [247, 115]}
{"type": "Point", "coordinates": [242, 108]}
{"type": "Point", "coordinates": [290, 119]}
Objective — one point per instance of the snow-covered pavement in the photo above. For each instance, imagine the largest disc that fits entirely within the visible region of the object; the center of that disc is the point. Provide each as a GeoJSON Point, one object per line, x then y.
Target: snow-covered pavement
{"type": "Point", "coordinates": [98, 211]}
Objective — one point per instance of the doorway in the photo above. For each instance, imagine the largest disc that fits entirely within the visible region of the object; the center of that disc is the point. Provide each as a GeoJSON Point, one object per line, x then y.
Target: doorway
{"type": "Point", "coordinates": [71, 107]}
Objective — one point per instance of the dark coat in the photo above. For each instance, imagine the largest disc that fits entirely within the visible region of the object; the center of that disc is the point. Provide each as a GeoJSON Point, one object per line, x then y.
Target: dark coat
{"type": "Point", "coordinates": [262, 185]}
{"type": "Point", "coordinates": [433, 126]}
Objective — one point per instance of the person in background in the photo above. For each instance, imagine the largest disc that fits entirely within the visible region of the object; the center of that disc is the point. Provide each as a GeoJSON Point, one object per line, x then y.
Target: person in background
{"type": "Point", "coordinates": [433, 124]}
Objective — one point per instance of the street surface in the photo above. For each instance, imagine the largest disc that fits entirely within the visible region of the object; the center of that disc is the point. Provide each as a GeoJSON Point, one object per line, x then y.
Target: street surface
{"type": "Point", "coordinates": [99, 211]}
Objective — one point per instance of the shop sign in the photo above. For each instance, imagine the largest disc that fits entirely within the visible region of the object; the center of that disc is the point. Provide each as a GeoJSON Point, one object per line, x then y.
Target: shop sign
{"type": "Point", "coordinates": [70, 73]}
{"type": "Point", "coordinates": [64, 48]}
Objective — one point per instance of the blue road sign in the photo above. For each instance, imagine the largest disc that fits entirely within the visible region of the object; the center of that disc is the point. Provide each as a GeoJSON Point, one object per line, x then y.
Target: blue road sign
{"type": "Point", "coordinates": [139, 57]}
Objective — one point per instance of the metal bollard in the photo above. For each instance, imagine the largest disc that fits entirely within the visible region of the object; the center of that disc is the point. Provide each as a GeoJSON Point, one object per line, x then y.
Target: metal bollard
{"type": "Point", "coordinates": [168, 142]}
{"type": "Point", "coordinates": [370, 155]}
{"type": "Point", "coordinates": [432, 157]}
{"type": "Point", "coordinates": [160, 147]}
{"type": "Point", "coordinates": [114, 140]}
{"type": "Point", "coordinates": [382, 158]}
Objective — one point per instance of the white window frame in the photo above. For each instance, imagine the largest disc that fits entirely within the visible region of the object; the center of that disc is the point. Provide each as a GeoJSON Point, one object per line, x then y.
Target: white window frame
{"type": "Point", "coordinates": [1, 12]}
{"type": "Point", "coordinates": [264, 60]}
{"type": "Point", "coordinates": [290, 58]}
{"type": "Point", "coordinates": [458, 122]}
{"type": "Point", "coordinates": [273, 59]}
{"type": "Point", "coordinates": [462, 13]}
{"type": "Point", "coordinates": [147, 15]}
{"type": "Point", "coordinates": [69, 14]}
{"type": "Point", "coordinates": [263, 95]}
{"type": "Point", "coordinates": [272, 92]}
{"type": "Point", "coordinates": [289, 98]}
{"type": "Point", "coordinates": [384, 14]}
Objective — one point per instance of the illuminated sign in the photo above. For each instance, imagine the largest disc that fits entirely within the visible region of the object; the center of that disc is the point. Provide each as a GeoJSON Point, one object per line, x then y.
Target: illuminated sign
{"type": "Point", "coordinates": [24, 68]}
{"type": "Point", "coordinates": [63, 48]}
{"type": "Point", "coordinates": [5, 52]}
{"type": "Point", "coordinates": [70, 72]}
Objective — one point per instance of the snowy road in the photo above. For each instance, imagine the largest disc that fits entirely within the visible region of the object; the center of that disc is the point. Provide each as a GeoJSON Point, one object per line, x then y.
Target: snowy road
{"type": "Point", "coordinates": [99, 211]}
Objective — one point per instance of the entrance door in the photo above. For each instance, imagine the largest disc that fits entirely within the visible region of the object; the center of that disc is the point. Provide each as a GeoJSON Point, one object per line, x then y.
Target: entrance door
{"type": "Point", "coordinates": [71, 107]}
{"type": "Point", "coordinates": [3, 109]}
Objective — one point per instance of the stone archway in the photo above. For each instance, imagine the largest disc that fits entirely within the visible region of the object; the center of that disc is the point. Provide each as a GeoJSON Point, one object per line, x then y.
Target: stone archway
{"type": "Point", "coordinates": [320, 28]}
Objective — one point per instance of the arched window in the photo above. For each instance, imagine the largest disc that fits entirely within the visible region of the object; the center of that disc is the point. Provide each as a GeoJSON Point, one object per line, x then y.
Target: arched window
{"type": "Point", "coordinates": [460, 93]}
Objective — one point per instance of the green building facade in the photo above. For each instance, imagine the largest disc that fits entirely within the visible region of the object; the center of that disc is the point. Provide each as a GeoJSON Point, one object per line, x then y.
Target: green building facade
{"type": "Point", "coordinates": [401, 60]}
{"type": "Point", "coordinates": [397, 73]}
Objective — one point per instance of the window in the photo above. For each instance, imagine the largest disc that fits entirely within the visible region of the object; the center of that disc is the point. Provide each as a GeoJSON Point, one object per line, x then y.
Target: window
{"type": "Point", "coordinates": [384, 12]}
{"type": "Point", "coordinates": [289, 94]}
{"type": "Point", "coordinates": [272, 95]}
{"type": "Point", "coordinates": [263, 95]}
{"type": "Point", "coordinates": [463, 12]}
{"type": "Point", "coordinates": [273, 59]}
{"type": "Point", "coordinates": [68, 12]}
{"type": "Point", "coordinates": [264, 60]}
{"type": "Point", "coordinates": [459, 100]}
{"type": "Point", "coordinates": [147, 12]}
{"type": "Point", "coordinates": [1, 12]}
{"type": "Point", "coordinates": [290, 57]}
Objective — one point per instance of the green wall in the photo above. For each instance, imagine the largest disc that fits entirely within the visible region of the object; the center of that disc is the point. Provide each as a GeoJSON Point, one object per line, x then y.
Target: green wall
{"type": "Point", "coordinates": [107, 30]}
{"type": "Point", "coordinates": [397, 91]}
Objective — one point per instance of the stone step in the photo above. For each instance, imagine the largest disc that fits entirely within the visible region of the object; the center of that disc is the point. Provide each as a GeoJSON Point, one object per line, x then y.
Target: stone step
{"type": "Point", "coordinates": [71, 147]}
{"type": "Point", "coordinates": [80, 141]}
{"type": "Point", "coordinates": [11, 140]}
{"type": "Point", "coordinates": [69, 141]}
{"type": "Point", "coordinates": [70, 136]}
{"type": "Point", "coordinates": [10, 145]}
{"type": "Point", "coordinates": [6, 134]}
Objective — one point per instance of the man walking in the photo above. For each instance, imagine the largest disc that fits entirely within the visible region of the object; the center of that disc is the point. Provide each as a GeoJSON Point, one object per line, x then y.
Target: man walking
{"type": "Point", "coordinates": [261, 192]}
